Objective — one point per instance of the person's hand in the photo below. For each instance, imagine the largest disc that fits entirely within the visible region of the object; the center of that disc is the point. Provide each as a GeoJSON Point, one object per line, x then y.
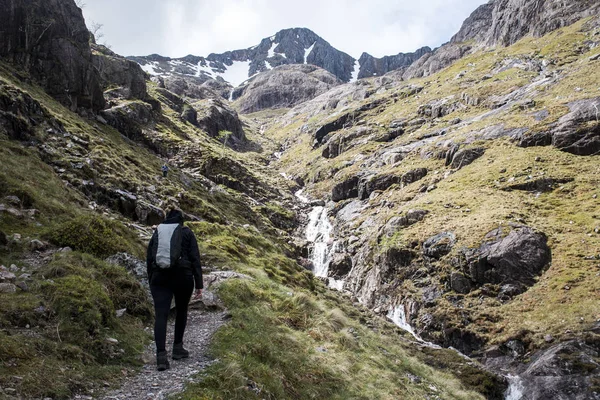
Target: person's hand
{"type": "Point", "coordinates": [197, 294]}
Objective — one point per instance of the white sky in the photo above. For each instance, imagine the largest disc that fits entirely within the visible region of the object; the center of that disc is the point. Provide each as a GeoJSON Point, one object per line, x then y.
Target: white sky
{"type": "Point", "coordinates": [176, 28]}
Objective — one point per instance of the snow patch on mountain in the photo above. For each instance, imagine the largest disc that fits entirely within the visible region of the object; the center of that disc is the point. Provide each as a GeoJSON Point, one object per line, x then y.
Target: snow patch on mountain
{"type": "Point", "coordinates": [308, 51]}
{"type": "Point", "coordinates": [237, 73]}
{"type": "Point", "coordinates": [356, 71]}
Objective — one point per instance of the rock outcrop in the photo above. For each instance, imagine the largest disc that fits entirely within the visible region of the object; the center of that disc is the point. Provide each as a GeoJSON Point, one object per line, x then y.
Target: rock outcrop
{"type": "Point", "coordinates": [123, 78]}
{"type": "Point", "coordinates": [284, 87]}
{"type": "Point", "coordinates": [518, 257]}
{"type": "Point", "coordinates": [371, 66]}
{"type": "Point", "coordinates": [50, 41]}
{"type": "Point", "coordinates": [503, 22]}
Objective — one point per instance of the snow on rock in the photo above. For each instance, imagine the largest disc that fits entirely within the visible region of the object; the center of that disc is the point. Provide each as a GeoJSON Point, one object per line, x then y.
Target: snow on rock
{"type": "Point", "coordinates": [237, 73]}
{"type": "Point", "coordinates": [356, 71]}
{"type": "Point", "coordinates": [308, 51]}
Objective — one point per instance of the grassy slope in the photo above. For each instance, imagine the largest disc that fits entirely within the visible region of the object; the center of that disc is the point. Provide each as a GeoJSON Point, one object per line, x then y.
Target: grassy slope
{"type": "Point", "coordinates": [568, 215]}
{"type": "Point", "coordinates": [53, 337]}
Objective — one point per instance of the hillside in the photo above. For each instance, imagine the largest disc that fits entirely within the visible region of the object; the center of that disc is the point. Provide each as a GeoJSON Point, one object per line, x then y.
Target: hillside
{"type": "Point", "coordinates": [432, 233]}
{"type": "Point", "coordinates": [81, 189]}
{"type": "Point", "coordinates": [466, 203]}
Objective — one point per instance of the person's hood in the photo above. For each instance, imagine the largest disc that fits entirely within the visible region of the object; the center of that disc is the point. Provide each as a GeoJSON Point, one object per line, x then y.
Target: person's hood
{"type": "Point", "coordinates": [174, 217]}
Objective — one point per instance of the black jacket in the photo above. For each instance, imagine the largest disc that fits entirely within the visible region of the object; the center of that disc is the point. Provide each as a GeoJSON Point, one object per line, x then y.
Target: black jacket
{"type": "Point", "coordinates": [190, 255]}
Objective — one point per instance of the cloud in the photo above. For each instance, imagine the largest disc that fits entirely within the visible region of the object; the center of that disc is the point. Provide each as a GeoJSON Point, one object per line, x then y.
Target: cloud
{"type": "Point", "coordinates": [179, 27]}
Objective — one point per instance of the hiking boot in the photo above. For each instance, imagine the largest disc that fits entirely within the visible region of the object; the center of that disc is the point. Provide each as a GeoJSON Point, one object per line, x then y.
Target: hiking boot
{"type": "Point", "coordinates": [162, 362]}
{"type": "Point", "coordinates": [179, 352]}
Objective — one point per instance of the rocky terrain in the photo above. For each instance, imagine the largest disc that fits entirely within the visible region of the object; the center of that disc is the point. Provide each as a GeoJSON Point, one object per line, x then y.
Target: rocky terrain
{"type": "Point", "coordinates": [450, 205]}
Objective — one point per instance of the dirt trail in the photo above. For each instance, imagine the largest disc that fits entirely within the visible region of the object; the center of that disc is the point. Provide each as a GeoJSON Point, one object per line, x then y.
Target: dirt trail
{"type": "Point", "coordinates": [150, 384]}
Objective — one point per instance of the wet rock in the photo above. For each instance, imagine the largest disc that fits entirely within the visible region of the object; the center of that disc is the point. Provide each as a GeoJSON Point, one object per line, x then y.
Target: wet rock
{"type": "Point", "coordinates": [340, 266]}
{"type": "Point", "coordinates": [346, 189]}
{"type": "Point", "coordinates": [439, 245]}
{"type": "Point", "coordinates": [465, 157]}
{"type": "Point", "coordinates": [343, 121]}
{"type": "Point", "coordinates": [460, 283]}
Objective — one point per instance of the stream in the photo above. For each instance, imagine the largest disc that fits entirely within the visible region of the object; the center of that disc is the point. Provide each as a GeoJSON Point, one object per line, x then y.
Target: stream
{"type": "Point", "coordinates": [319, 233]}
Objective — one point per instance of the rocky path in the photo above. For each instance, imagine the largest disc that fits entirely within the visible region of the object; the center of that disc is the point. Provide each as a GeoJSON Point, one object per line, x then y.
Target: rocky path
{"type": "Point", "coordinates": [150, 384]}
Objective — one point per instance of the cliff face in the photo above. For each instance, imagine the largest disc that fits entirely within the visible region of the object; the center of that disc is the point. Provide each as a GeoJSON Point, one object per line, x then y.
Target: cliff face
{"type": "Point", "coordinates": [371, 66]}
{"type": "Point", "coordinates": [502, 23]}
{"type": "Point", "coordinates": [50, 41]}
{"type": "Point", "coordinates": [284, 87]}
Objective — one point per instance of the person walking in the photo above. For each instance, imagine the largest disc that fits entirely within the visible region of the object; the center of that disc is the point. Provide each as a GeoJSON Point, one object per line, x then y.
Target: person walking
{"type": "Point", "coordinates": [174, 270]}
{"type": "Point", "coordinates": [165, 170]}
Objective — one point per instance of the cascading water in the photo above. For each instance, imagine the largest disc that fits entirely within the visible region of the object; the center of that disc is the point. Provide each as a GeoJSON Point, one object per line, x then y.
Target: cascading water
{"type": "Point", "coordinates": [398, 316]}
{"type": "Point", "coordinates": [318, 232]}
{"type": "Point", "coordinates": [515, 388]}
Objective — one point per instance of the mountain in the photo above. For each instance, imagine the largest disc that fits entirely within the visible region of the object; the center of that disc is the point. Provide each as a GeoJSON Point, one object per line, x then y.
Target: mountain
{"type": "Point", "coordinates": [432, 237]}
{"type": "Point", "coordinates": [503, 22]}
{"type": "Point", "coordinates": [231, 69]}
{"type": "Point", "coordinates": [289, 46]}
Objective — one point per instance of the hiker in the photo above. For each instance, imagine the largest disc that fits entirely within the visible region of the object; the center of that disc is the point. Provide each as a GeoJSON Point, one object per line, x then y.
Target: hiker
{"type": "Point", "coordinates": [165, 170]}
{"type": "Point", "coordinates": [174, 270]}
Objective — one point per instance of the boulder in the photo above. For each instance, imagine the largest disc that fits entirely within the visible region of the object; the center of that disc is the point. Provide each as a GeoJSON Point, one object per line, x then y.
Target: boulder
{"type": "Point", "coordinates": [518, 257]}
{"type": "Point", "coordinates": [465, 157]}
{"type": "Point", "coordinates": [460, 283]}
{"type": "Point", "coordinates": [536, 139]}
{"type": "Point", "coordinates": [7, 288]}
{"type": "Point", "coordinates": [578, 132]}
{"type": "Point", "coordinates": [439, 245]}
{"type": "Point", "coordinates": [50, 41]}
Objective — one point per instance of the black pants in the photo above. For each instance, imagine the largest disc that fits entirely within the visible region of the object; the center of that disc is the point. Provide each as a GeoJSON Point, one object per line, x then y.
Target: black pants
{"type": "Point", "coordinates": [163, 286]}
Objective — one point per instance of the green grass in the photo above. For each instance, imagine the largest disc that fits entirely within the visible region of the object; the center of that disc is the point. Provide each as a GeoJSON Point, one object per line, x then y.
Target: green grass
{"type": "Point", "coordinates": [286, 343]}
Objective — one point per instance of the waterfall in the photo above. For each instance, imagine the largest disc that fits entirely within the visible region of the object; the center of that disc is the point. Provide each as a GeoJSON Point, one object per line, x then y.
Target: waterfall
{"type": "Point", "coordinates": [398, 316]}
{"type": "Point", "coordinates": [515, 388]}
{"type": "Point", "coordinates": [318, 232]}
